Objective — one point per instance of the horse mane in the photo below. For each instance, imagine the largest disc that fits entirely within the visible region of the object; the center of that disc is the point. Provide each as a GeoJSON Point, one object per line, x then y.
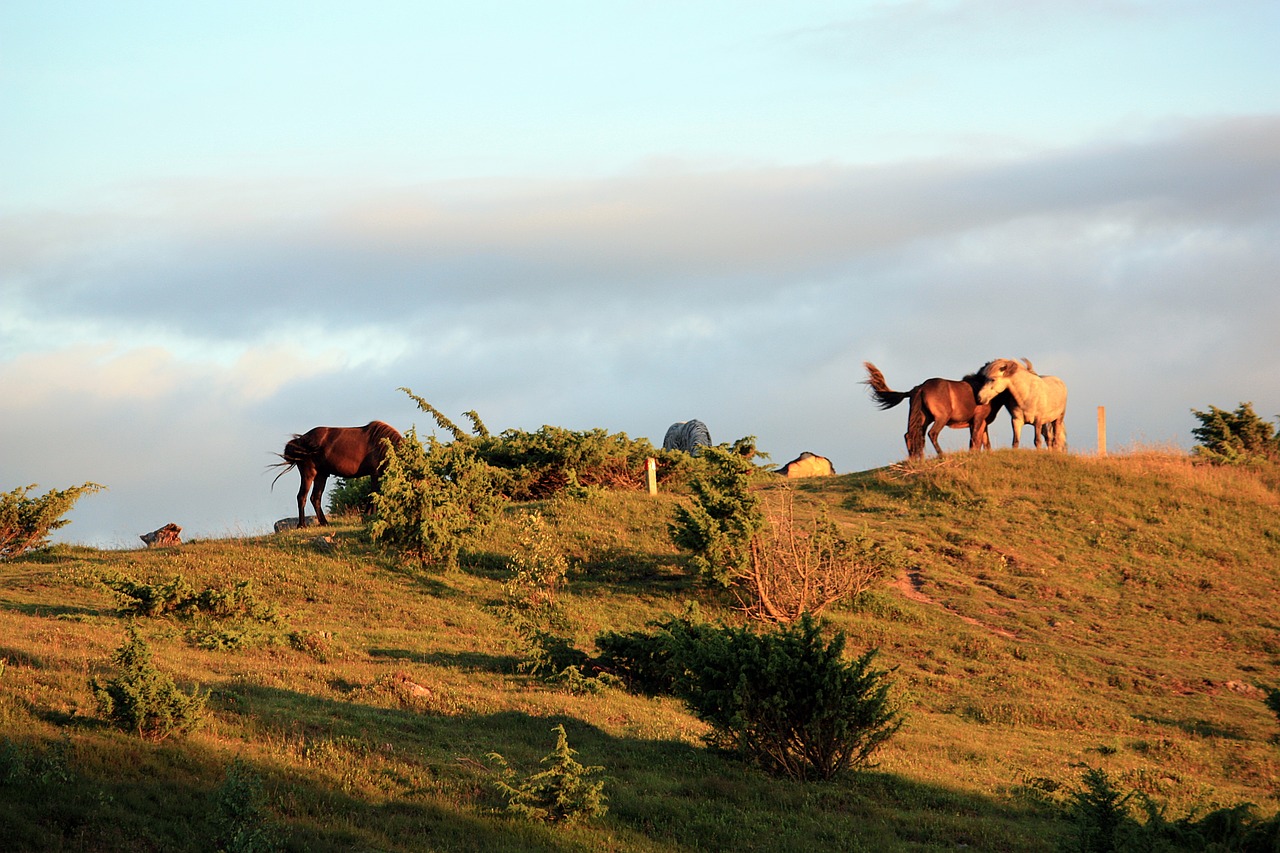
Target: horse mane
{"type": "Point", "coordinates": [379, 430]}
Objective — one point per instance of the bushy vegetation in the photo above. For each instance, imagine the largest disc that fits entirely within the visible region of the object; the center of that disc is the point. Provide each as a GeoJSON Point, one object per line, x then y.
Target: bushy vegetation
{"type": "Point", "coordinates": [1043, 613]}
{"type": "Point", "coordinates": [537, 465]}
{"type": "Point", "coordinates": [749, 540]}
{"type": "Point", "coordinates": [1235, 437]}
{"type": "Point", "coordinates": [26, 522]}
{"type": "Point", "coordinates": [1106, 820]}
{"type": "Point", "coordinates": [141, 699]}
{"type": "Point", "coordinates": [351, 497]}
{"type": "Point", "coordinates": [563, 793]}
{"type": "Point", "coordinates": [786, 699]}
{"type": "Point", "coordinates": [724, 518]}
{"type": "Point", "coordinates": [226, 617]}
{"type": "Point", "coordinates": [537, 569]}
{"type": "Point", "coordinates": [433, 501]}
{"type": "Point", "coordinates": [244, 822]}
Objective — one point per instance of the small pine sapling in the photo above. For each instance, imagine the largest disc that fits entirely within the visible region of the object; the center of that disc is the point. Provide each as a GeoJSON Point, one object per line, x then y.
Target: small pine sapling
{"type": "Point", "coordinates": [562, 793]}
{"type": "Point", "coordinates": [141, 699]}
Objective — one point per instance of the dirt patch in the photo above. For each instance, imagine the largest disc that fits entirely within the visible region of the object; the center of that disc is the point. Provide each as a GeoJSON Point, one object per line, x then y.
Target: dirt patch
{"type": "Point", "coordinates": [911, 584]}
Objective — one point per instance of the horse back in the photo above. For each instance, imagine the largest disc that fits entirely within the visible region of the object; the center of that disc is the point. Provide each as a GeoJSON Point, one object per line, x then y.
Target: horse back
{"type": "Point", "coordinates": [1046, 398]}
{"type": "Point", "coordinates": [948, 400]}
{"type": "Point", "coordinates": [343, 451]}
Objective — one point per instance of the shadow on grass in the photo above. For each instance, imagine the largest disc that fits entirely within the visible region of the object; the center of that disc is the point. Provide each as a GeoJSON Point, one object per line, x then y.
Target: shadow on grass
{"type": "Point", "coordinates": [55, 611]}
{"type": "Point", "coordinates": [346, 775]}
{"type": "Point", "coordinates": [1199, 728]}
{"type": "Point", "coordinates": [465, 661]}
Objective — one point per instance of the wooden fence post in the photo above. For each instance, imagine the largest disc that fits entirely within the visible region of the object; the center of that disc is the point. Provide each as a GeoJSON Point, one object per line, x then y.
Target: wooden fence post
{"type": "Point", "coordinates": [653, 475]}
{"type": "Point", "coordinates": [1102, 430]}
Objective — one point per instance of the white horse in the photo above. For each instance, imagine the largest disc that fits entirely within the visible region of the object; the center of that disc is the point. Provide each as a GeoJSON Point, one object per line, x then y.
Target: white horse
{"type": "Point", "coordinates": [1038, 400]}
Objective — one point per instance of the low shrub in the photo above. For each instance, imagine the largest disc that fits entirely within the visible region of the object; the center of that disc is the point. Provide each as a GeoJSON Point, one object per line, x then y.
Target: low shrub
{"type": "Point", "coordinates": [141, 699]}
{"type": "Point", "coordinates": [560, 794]}
{"type": "Point", "coordinates": [351, 496]}
{"type": "Point", "coordinates": [26, 522]}
{"type": "Point", "coordinates": [244, 823]}
{"type": "Point", "coordinates": [1105, 820]}
{"type": "Point", "coordinates": [1233, 438]}
{"type": "Point", "coordinates": [786, 700]}
{"type": "Point", "coordinates": [432, 501]}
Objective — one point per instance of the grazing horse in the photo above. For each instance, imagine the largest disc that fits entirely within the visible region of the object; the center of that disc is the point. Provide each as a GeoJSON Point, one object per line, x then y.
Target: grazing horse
{"type": "Point", "coordinates": [1037, 400]}
{"type": "Point", "coordinates": [942, 403]}
{"type": "Point", "coordinates": [342, 451]}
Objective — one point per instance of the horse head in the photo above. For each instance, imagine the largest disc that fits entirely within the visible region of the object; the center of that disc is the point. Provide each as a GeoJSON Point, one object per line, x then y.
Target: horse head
{"type": "Point", "coordinates": [998, 375]}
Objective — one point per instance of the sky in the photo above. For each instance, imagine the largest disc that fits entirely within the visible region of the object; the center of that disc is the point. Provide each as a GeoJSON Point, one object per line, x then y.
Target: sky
{"type": "Point", "coordinates": [225, 223]}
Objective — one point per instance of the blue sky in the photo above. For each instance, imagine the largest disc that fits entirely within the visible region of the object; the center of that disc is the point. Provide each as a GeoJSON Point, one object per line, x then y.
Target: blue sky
{"type": "Point", "coordinates": [224, 223]}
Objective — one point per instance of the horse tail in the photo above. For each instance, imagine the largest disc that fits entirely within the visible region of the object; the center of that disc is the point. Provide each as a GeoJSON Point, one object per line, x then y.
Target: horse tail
{"type": "Point", "coordinates": [298, 449]}
{"type": "Point", "coordinates": [916, 424]}
{"type": "Point", "coordinates": [884, 396]}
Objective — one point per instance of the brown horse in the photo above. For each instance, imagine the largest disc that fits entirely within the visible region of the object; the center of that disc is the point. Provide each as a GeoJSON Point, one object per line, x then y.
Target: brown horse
{"type": "Point", "coordinates": [942, 403]}
{"type": "Point", "coordinates": [342, 451]}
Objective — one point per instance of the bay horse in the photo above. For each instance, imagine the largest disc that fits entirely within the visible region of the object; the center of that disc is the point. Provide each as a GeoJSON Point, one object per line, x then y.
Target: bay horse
{"type": "Point", "coordinates": [341, 451]}
{"type": "Point", "coordinates": [1037, 400]}
{"type": "Point", "coordinates": [942, 403]}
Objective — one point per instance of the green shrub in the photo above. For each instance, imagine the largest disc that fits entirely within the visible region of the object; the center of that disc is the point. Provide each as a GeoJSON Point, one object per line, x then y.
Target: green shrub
{"type": "Point", "coordinates": [553, 461]}
{"type": "Point", "coordinates": [538, 570]}
{"type": "Point", "coordinates": [433, 501]}
{"type": "Point", "coordinates": [538, 566]}
{"type": "Point", "coordinates": [219, 618]}
{"type": "Point", "coordinates": [150, 600]}
{"type": "Point", "coordinates": [1106, 821]}
{"type": "Point", "coordinates": [244, 822]}
{"type": "Point", "coordinates": [24, 766]}
{"type": "Point", "coordinates": [724, 518]}
{"type": "Point", "coordinates": [559, 794]}
{"type": "Point", "coordinates": [1233, 438]}
{"type": "Point", "coordinates": [785, 700]}
{"type": "Point", "coordinates": [1272, 701]}
{"type": "Point", "coordinates": [141, 699]}
{"type": "Point", "coordinates": [351, 497]}
{"type": "Point", "coordinates": [27, 522]}
{"type": "Point", "coordinates": [776, 566]}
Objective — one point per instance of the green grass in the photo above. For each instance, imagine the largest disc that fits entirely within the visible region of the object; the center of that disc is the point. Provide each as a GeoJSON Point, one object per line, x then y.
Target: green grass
{"type": "Point", "coordinates": [1052, 613]}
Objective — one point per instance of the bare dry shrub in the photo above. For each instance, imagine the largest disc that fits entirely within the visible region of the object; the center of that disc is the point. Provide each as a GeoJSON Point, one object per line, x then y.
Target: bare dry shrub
{"type": "Point", "coordinates": [799, 567]}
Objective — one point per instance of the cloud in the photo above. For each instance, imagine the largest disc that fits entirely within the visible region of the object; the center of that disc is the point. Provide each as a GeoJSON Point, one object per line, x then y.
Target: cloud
{"type": "Point", "coordinates": [1141, 271]}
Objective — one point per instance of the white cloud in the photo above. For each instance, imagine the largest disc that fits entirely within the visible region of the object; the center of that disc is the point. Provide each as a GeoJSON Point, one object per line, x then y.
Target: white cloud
{"type": "Point", "coordinates": [1142, 272]}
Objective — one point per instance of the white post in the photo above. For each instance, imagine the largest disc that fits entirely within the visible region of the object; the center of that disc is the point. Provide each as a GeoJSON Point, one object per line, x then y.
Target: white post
{"type": "Point", "coordinates": [652, 465]}
{"type": "Point", "coordinates": [1102, 430]}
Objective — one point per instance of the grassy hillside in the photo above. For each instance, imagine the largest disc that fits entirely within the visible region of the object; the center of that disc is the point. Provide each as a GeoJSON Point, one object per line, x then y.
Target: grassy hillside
{"type": "Point", "coordinates": [1051, 613]}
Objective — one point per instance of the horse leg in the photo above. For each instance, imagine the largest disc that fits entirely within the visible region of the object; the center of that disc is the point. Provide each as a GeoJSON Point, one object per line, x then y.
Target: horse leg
{"type": "Point", "coordinates": [915, 443]}
{"type": "Point", "coordinates": [914, 436]}
{"type": "Point", "coordinates": [316, 493]}
{"type": "Point", "coordinates": [934, 431]}
{"type": "Point", "coordinates": [1018, 424]}
{"type": "Point", "coordinates": [978, 437]}
{"type": "Point", "coordinates": [307, 472]}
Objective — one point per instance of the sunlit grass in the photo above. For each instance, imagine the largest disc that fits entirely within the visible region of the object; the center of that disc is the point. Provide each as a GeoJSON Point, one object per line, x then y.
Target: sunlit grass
{"type": "Point", "coordinates": [1050, 612]}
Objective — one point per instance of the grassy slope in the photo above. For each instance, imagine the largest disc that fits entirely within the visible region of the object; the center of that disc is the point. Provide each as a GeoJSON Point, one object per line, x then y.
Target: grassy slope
{"type": "Point", "coordinates": [1052, 612]}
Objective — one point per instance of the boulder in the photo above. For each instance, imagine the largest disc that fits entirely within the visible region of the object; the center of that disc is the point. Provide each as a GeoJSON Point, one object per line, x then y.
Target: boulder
{"type": "Point", "coordinates": [808, 465]}
{"type": "Point", "coordinates": [291, 523]}
{"type": "Point", "coordinates": [167, 536]}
